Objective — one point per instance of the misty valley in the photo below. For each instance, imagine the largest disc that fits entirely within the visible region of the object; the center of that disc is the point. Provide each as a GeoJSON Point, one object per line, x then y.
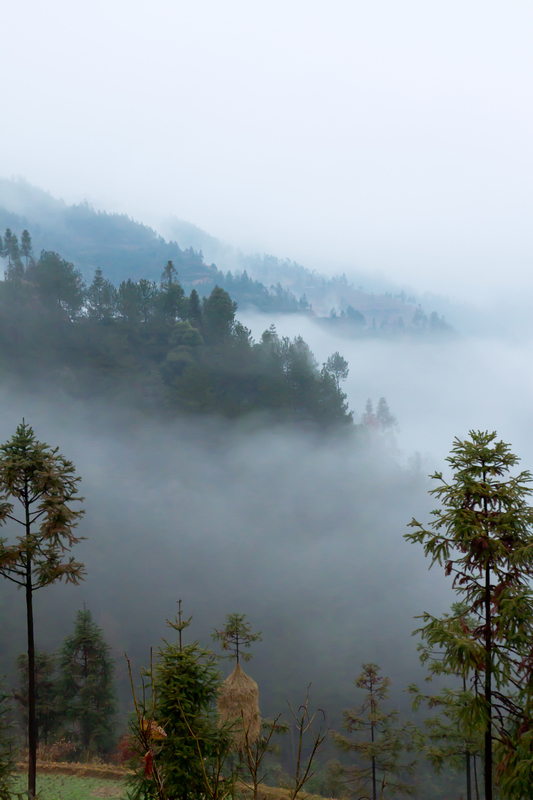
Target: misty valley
{"type": "Point", "coordinates": [202, 464]}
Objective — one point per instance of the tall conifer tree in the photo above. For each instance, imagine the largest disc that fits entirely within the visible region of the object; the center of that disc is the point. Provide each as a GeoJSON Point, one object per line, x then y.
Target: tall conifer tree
{"type": "Point", "coordinates": [483, 537]}
{"type": "Point", "coordinates": [86, 688]}
{"type": "Point", "coordinates": [38, 488]}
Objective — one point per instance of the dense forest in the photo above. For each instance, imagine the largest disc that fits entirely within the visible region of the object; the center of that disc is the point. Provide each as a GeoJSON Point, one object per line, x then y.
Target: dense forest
{"type": "Point", "coordinates": [124, 248]}
{"type": "Point", "coordinates": [152, 343]}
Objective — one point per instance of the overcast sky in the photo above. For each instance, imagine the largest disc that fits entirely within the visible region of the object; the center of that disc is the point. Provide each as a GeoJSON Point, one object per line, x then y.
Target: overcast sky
{"type": "Point", "coordinates": [390, 135]}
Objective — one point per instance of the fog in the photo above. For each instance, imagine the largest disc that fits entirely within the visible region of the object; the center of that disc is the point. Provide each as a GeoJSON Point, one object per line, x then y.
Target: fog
{"type": "Point", "coordinates": [301, 532]}
{"type": "Point", "coordinates": [436, 389]}
{"type": "Point", "coordinates": [384, 136]}
{"type": "Point", "coordinates": [360, 137]}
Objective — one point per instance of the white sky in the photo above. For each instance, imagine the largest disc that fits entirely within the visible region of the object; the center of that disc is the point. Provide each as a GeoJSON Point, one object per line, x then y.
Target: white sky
{"type": "Point", "coordinates": [388, 135]}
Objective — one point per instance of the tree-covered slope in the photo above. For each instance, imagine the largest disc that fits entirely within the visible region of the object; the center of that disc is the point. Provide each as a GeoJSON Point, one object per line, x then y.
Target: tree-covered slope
{"type": "Point", "coordinates": [125, 249]}
{"type": "Point", "coordinates": [151, 345]}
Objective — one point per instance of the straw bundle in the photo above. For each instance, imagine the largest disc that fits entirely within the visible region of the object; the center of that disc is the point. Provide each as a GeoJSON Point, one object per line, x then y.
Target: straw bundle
{"type": "Point", "coordinates": [238, 703]}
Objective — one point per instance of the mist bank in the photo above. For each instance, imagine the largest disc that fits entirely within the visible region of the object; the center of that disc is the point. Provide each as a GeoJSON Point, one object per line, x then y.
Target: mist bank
{"type": "Point", "coordinates": [436, 389]}
{"type": "Point", "coordinates": [301, 531]}
{"type": "Point", "coordinates": [302, 534]}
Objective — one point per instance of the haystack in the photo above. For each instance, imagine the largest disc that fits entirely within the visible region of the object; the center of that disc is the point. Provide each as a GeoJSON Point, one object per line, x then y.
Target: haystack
{"type": "Point", "coordinates": [238, 703]}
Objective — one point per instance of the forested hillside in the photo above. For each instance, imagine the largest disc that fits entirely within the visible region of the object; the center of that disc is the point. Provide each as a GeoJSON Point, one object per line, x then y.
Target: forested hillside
{"type": "Point", "coordinates": [125, 249]}
{"type": "Point", "coordinates": [152, 345]}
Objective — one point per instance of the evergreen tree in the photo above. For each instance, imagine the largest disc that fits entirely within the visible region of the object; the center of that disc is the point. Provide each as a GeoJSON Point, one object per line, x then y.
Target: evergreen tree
{"type": "Point", "coordinates": [47, 718]}
{"type": "Point", "coordinates": [191, 749]}
{"type": "Point", "coordinates": [218, 315]}
{"type": "Point", "coordinates": [128, 305]}
{"type": "Point", "coordinates": [101, 299]}
{"type": "Point", "coordinates": [384, 743]}
{"type": "Point", "coordinates": [44, 487]}
{"type": "Point", "coordinates": [448, 739]}
{"type": "Point", "coordinates": [194, 309]}
{"type": "Point", "coordinates": [58, 283]}
{"type": "Point", "coordinates": [171, 295]}
{"type": "Point", "coordinates": [7, 248]}
{"type": "Point", "coordinates": [26, 248]}
{"type": "Point", "coordinates": [337, 366]}
{"type": "Point", "coordinates": [483, 537]}
{"type": "Point", "coordinates": [11, 251]}
{"type": "Point", "coordinates": [236, 634]}
{"type": "Point", "coordinates": [86, 688]}
{"type": "Point", "coordinates": [384, 418]}
{"type": "Point", "coordinates": [147, 293]}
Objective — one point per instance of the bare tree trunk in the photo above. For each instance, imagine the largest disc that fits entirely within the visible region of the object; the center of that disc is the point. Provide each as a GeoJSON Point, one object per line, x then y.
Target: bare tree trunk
{"type": "Point", "coordinates": [488, 689]}
{"type": "Point", "coordinates": [32, 720]}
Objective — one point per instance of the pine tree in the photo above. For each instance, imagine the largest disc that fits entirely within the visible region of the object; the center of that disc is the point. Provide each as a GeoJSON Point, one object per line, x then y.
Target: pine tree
{"type": "Point", "coordinates": [44, 487]}
{"type": "Point", "coordinates": [101, 299]}
{"type": "Point", "coordinates": [45, 693]}
{"type": "Point", "coordinates": [384, 741]}
{"type": "Point", "coordinates": [147, 293]}
{"type": "Point", "coordinates": [449, 739]}
{"type": "Point", "coordinates": [58, 283]}
{"type": "Point", "coordinates": [218, 315]}
{"type": "Point", "coordinates": [171, 295]}
{"type": "Point", "coordinates": [194, 309]}
{"type": "Point", "coordinates": [86, 690]}
{"type": "Point", "coordinates": [337, 366]}
{"type": "Point", "coordinates": [128, 301]}
{"type": "Point", "coordinates": [483, 537]}
{"type": "Point", "coordinates": [385, 419]}
{"type": "Point", "coordinates": [235, 635]}
{"type": "Point", "coordinates": [186, 747]}
{"type": "Point", "coordinates": [26, 246]}
{"type": "Point", "coordinates": [8, 246]}
{"type": "Point", "coordinates": [11, 250]}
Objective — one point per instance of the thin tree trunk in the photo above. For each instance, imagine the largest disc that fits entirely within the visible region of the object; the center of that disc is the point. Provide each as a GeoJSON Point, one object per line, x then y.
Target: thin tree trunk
{"type": "Point", "coordinates": [32, 720]}
{"type": "Point", "coordinates": [374, 790]}
{"type": "Point", "coordinates": [488, 689]}
{"type": "Point", "coordinates": [468, 762]}
{"type": "Point", "coordinates": [468, 778]}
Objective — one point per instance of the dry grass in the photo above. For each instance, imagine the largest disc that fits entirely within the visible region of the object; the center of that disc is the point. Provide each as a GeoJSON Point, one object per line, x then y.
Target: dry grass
{"type": "Point", "coordinates": [104, 771]}
{"type": "Point", "coordinates": [238, 703]}
{"type": "Point", "coordinates": [277, 793]}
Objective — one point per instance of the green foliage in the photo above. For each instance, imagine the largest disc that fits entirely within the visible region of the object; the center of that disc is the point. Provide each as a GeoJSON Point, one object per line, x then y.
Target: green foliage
{"type": "Point", "coordinates": [170, 300]}
{"type": "Point", "coordinates": [57, 283]}
{"type": "Point", "coordinates": [482, 537]}
{"type": "Point", "coordinates": [235, 635]}
{"type": "Point", "coordinates": [187, 760]}
{"type": "Point", "coordinates": [382, 745]}
{"type": "Point", "coordinates": [449, 738]}
{"type": "Point", "coordinates": [337, 366]}
{"type": "Point", "coordinates": [218, 315]}
{"type": "Point", "coordinates": [158, 346]}
{"type": "Point", "coordinates": [101, 299]}
{"type": "Point", "coordinates": [44, 486]}
{"type": "Point", "coordinates": [46, 701]}
{"type": "Point", "coordinates": [7, 750]}
{"type": "Point", "coordinates": [85, 689]}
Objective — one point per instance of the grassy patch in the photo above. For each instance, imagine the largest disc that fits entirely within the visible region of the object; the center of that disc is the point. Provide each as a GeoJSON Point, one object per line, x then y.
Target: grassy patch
{"type": "Point", "coordinates": [71, 787]}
